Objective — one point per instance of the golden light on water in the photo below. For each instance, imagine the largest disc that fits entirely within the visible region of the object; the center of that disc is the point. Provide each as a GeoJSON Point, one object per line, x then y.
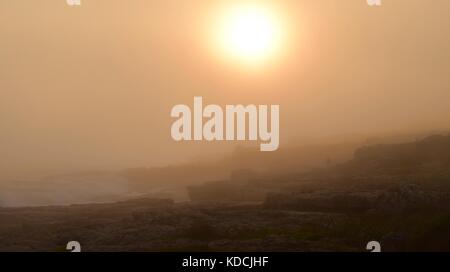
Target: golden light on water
{"type": "Point", "coordinates": [250, 34]}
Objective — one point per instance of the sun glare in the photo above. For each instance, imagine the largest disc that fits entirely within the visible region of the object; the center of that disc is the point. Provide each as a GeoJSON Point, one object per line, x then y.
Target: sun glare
{"type": "Point", "coordinates": [250, 34]}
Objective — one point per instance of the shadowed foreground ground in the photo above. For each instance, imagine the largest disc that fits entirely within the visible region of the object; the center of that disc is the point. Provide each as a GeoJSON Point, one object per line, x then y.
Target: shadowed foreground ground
{"type": "Point", "coordinates": [159, 225]}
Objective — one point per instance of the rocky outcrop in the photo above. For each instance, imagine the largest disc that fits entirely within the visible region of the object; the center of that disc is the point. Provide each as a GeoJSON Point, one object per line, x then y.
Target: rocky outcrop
{"type": "Point", "coordinates": [320, 202]}
{"type": "Point", "coordinates": [431, 154]}
{"type": "Point", "coordinates": [410, 197]}
{"type": "Point", "coordinates": [396, 199]}
{"type": "Point", "coordinates": [225, 191]}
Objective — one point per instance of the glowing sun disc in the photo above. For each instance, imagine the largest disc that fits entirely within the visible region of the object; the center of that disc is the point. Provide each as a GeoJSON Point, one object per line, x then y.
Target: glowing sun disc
{"type": "Point", "coordinates": [250, 33]}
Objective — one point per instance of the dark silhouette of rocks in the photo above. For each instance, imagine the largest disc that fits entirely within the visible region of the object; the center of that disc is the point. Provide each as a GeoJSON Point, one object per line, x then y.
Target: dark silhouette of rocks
{"type": "Point", "coordinates": [428, 155]}
{"type": "Point", "coordinates": [396, 194]}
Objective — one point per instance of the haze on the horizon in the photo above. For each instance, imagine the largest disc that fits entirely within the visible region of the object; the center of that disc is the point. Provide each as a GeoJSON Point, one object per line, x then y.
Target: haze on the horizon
{"type": "Point", "coordinates": [92, 86]}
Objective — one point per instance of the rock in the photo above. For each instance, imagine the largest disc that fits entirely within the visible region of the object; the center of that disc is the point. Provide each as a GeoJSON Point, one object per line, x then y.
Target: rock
{"type": "Point", "coordinates": [410, 197]}
{"type": "Point", "coordinates": [323, 202]}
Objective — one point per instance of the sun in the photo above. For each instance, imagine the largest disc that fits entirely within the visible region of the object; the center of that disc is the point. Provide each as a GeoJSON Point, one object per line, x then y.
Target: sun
{"type": "Point", "coordinates": [250, 34]}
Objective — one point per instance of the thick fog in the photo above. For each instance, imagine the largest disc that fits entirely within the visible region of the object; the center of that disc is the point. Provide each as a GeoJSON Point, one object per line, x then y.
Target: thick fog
{"type": "Point", "coordinates": [91, 87]}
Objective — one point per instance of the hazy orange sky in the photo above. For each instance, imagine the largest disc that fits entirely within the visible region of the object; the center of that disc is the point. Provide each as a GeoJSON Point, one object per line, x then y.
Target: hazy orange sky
{"type": "Point", "coordinates": [93, 86]}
